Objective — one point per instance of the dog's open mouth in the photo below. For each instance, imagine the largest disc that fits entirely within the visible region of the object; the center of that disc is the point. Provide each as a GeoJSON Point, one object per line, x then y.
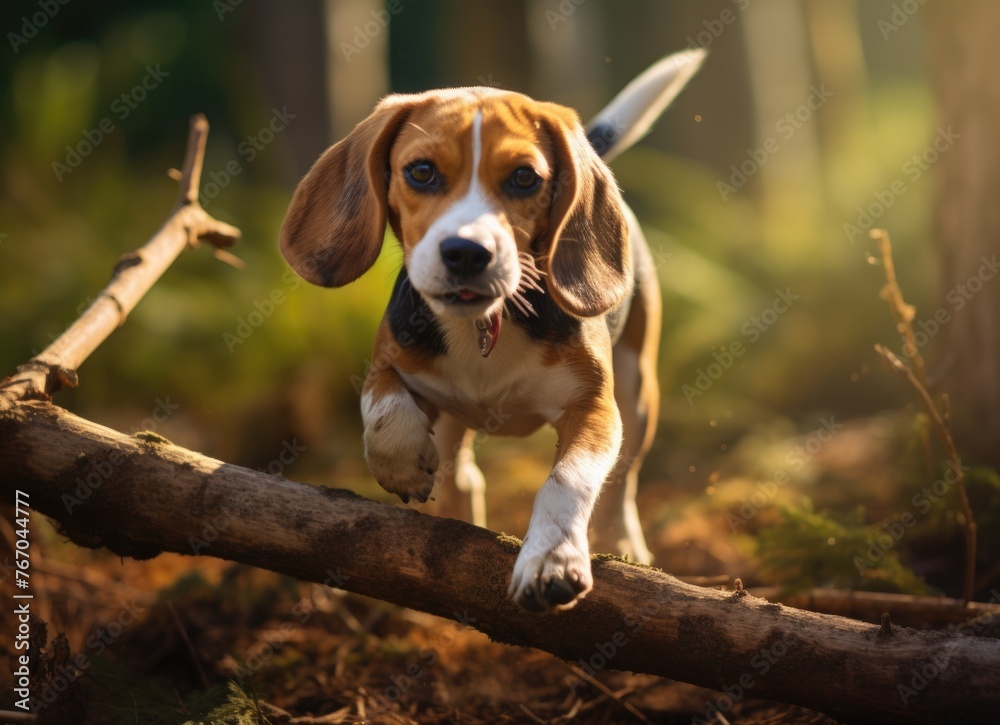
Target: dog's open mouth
{"type": "Point", "coordinates": [465, 296]}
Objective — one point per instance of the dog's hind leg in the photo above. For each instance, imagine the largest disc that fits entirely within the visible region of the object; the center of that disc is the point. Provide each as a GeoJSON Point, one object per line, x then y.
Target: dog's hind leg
{"type": "Point", "coordinates": [460, 488]}
{"type": "Point", "coordinates": [615, 525]}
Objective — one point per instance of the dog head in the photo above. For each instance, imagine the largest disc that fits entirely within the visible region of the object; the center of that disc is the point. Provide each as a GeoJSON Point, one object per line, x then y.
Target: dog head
{"type": "Point", "coordinates": [484, 189]}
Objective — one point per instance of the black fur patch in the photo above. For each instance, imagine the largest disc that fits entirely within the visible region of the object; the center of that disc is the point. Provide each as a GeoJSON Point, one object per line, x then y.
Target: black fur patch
{"type": "Point", "coordinates": [551, 323]}
{"type": "Point", "coordinates": [411, 320]}
{"type": "Point", "coordinates": [603, 137]}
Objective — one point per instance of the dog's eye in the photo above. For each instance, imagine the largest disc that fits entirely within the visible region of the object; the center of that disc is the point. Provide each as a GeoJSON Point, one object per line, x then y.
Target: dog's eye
{"type": "Point", "coordinates": [422, 175]}
{"type": "Point", "coordinates": [524, 180]}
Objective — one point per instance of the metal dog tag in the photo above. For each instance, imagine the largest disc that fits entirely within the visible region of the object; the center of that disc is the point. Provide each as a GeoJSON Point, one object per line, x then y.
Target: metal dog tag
{"type": "Point", "coordinates": [489, 331]}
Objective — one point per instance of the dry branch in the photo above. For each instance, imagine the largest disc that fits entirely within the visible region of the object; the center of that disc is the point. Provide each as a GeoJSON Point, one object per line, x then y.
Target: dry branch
{"type": "Point", "coordinates": [923, 612]}
{"type": "Point", "coordinates": [150, 496]}
{"type": "Point", "coordinates": [55, 367]}
{"type": "Point", "coordinates": [904, 314]}
{"type": "Point", "coordinates": [900, 309]}
{"type": "Point", "coordinates": [968, 520]}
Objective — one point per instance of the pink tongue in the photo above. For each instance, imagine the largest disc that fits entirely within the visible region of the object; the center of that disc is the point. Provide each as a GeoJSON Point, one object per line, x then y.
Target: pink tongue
{"type": "Point", "coordinates": [466, 295]}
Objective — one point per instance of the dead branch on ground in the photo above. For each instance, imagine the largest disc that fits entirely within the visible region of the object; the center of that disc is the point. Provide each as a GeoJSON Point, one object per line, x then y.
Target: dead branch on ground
{"type": "Point", "coordinates": [904, 314]}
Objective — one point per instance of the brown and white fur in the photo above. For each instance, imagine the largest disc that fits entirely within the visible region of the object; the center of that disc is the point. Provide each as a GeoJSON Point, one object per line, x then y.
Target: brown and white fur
{"type": "Point", "coordinates": [528, 296]}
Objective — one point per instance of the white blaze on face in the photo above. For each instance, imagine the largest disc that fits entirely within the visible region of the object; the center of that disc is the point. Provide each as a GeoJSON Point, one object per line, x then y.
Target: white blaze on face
{"type": "Point", "coordinates": [475, 217]}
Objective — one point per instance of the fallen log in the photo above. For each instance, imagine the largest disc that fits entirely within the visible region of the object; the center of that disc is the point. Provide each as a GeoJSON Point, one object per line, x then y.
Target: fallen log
{"type": "Point", "coordinates": [141, 495]}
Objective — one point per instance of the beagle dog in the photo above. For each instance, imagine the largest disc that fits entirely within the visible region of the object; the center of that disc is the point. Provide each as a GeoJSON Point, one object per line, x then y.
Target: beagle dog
{"type": "Point", "coordinates": [527, 296]}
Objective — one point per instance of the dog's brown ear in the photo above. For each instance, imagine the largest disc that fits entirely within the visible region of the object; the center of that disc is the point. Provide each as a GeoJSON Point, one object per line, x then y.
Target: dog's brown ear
{"type": "Point", "coordinates": [335, 225]}
{"type": "Point", "coordinates": [587, 246]}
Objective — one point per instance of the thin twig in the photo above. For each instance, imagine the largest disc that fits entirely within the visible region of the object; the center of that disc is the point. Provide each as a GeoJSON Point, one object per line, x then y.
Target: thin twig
{"type": "Point", "coordinates": [190, 647]}
{"type": "Point", "coordinates": [900, 310]}
{"type": "Point", "coordinates": [194, 159]}
{"type": "Point", "coordinates": [530, 714]}
{"type": "Point", "coordinates": [895, 365]}
{"type": "Point", "coordinates": [987, 579]}
{"type": "Point", "coordinates": [614, 696]}
{"type": "Point", "coordinates": [135, 273]}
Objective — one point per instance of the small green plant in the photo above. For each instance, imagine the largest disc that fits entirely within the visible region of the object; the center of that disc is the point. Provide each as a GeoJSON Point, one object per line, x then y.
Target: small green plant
{"type": "Point", "coordinates": [806, 549]}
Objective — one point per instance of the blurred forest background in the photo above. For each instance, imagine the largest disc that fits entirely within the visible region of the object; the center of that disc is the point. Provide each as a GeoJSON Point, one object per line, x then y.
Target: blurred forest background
{"type": "Point", "coordinates": [811, 122]}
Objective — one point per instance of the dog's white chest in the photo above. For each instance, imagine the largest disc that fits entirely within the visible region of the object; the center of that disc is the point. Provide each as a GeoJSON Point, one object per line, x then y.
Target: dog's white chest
{"type": "Point", "coordinates": [512, 385]}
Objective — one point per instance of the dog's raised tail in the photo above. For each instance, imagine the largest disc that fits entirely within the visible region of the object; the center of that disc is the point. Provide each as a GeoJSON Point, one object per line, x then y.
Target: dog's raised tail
{"type": "Point", "coordinates": [635, 109]}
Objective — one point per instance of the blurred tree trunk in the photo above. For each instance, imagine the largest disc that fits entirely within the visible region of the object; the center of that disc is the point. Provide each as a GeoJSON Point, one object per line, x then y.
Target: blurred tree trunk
{"type": "Point", "coordinates": [326, 61]}
{"type": "Point", "coordinates": [569, 44]}
{"type": "Point", "coordinates": [965, 55]}
{"type": "Point", "coordinates": [782, 81]}
{"type": "Point", "coordinates": [720, 98]}
{"type": "Point", "coordinates": [357, 58]}
{"type": "Point", "coordinates": [483, 44]}
{"type": "Point", "coordinates": [292, 80]}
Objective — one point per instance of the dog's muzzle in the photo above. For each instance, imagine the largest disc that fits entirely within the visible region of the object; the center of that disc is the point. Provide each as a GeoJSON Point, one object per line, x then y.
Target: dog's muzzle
{"type": "Point", "coordinates": [465, 261]}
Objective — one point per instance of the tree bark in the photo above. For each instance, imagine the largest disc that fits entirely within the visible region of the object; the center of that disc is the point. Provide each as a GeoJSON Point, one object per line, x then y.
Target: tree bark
{"type": "Point", "coordinates": [141, 495]}
{"type": "Point", "coordinates": [964, 55]}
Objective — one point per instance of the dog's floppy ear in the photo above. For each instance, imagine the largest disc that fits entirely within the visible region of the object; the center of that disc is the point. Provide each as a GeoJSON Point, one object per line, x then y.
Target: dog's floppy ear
{"type": "Point", "coordinates": [335, 225]}
{"type": "Point", "coordinates": [586, 244]}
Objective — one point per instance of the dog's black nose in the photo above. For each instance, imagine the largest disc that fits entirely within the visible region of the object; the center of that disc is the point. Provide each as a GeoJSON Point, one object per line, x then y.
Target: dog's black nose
{"type": "Point", "coordinates": [464, 256]}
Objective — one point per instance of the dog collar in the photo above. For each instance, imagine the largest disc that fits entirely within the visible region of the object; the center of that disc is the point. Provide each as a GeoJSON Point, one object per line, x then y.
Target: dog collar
{"type": "Point", "coordinates": [489, 331]}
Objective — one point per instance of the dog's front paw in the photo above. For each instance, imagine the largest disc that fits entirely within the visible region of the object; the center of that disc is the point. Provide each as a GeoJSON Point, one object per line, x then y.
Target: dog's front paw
{"type": "Point", "coordinates": [400, 452]}
{"type": "Point", "coordinates": [551, 572]}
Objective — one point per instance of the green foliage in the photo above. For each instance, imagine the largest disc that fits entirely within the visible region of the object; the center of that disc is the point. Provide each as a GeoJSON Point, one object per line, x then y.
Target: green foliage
{"type": "Point", "coordinates": [123, 698]}
{"type": "Point", "coordinates": [984, 497]}
{"type": "Point", "coordinates": [120, 697]}
{"type": "Point", "coordinates": [806, 549]}
{"type": "Point", "coordinates": [239, 708]}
